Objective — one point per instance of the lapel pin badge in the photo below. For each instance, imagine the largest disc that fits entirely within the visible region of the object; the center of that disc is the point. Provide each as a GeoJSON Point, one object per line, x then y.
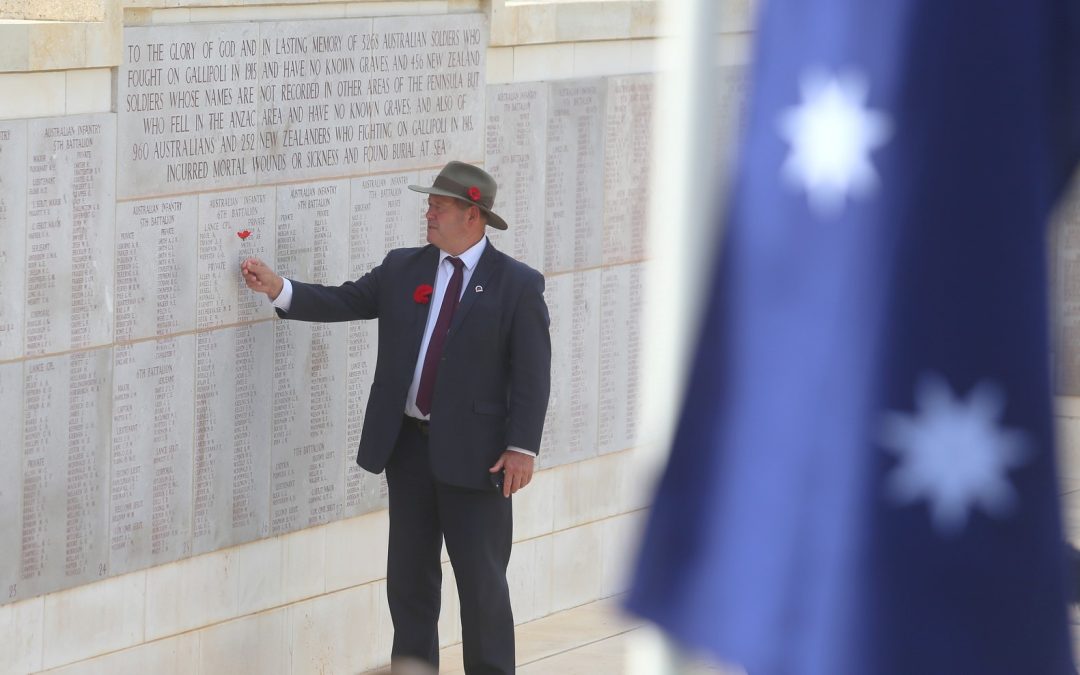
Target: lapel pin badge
{"type": "Point", "coordinates": [479, 289]}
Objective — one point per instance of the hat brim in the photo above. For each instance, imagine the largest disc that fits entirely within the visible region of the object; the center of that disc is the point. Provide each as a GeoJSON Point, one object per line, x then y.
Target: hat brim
{"type": "Point", "coordinates": [493, 218]}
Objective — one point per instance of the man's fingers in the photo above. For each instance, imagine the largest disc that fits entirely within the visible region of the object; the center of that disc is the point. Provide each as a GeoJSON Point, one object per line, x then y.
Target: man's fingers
{"type": "Point", "coordinates": [515, 481]}
{"type": "Point", "coordinates": [498, 465]}
{"type": "Point", "coordinates": [259, 277]}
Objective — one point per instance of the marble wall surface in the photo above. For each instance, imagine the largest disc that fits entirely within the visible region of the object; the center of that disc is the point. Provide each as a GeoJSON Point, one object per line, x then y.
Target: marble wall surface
{"type": "Point", "coordinates": [156, 409]}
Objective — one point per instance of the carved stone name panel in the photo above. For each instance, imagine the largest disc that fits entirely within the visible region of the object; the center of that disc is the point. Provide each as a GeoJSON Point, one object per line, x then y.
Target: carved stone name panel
{"type": "Point", "coordinates": [364, 491]}
{"type": "Point", "coordinates": [156, 267]}
{"type": "Point", "coordinates": [308, 429]}
{"type": "Point", "coordinates": [620, 356]}
{"type": "Point", "coordinates": [310, 363]}
{"type": "Point", "coordinates": [516, 144]}
{"type": "Point", "coordinates": [575, 176]}
{"type": "Point", "coordinates": [234, 392]}
{"type": "Point", "coordinates": [1066, 275]}
{"type": "Point", "coordinates": [382, 209]}
{"type": "Point", "coordinates": [382, 212]}
{"type": "Point", "coordinates": [152, 426]}
{"type": "Point", "coordinates": [223, 299]}
{"type": "Point", "coordinates": [215, 106]}
{"type": "Point", "coordinates": [65, 498]}
{"type": "Point", "coordinates": [555, 443]}
{"type": "Point", "coordinates": [13, 191]}
{"type": "Point", "coordinates": [11, 522]}
{"type": "Point", "coordinates": [70, 218]}
{"type": "Point", "coordinates": [627, 164]}
{"type": "Point", "coordinates": [570, 428]}
{"type": "Point", "coordinates": [313, 232]}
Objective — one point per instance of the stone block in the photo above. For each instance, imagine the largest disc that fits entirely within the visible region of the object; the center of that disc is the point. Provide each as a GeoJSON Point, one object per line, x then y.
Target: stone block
{"type": "Point", "coordinates": [252, 645]}
{"type": "Point", "coordinates": [356, 550]}
{"type": "Point", "coordinates": [95, 619]}
{"type": "Point", "coordinates": [190, 594]}
{"type": "Point", "coordinates": [32, 94]}
{"type": "Point", "coordinates": [21, 634]}
{"type": "Point", "coordinates": [577, 565]}
{"type": "Point", "coordinates": [327, 634]}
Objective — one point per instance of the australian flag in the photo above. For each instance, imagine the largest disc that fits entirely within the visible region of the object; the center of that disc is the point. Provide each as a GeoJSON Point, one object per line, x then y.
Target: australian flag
{"type": "Point", "coordinates": [863, 477]}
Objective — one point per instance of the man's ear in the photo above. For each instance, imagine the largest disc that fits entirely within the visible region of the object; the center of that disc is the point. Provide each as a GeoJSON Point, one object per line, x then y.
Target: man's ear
{"type": "Point", "coordinates": [479, 214]}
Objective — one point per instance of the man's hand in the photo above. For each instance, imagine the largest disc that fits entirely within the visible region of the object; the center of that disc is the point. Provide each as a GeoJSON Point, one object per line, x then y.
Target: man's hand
{"type": "Point", "coordinates": [518, 469]}
{"type": "Point", "coordinates": [260, 278]}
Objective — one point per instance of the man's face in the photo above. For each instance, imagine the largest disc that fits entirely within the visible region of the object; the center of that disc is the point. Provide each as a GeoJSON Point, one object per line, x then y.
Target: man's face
{"type": "Point", "coordinates": [452, 225]}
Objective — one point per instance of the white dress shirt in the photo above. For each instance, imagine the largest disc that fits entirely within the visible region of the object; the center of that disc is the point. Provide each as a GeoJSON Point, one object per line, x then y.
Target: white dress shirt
{"type": "Point", "coordinates": [471, 257]}
{"type": "Point", "coordinates": [442, 279]}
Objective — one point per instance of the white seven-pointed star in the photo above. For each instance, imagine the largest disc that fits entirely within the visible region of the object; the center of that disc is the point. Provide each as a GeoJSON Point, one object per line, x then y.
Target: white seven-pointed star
{"type": "Point", "coordinates": [953, 453]}
{"type": "Point", "coordinates": [831, 134]}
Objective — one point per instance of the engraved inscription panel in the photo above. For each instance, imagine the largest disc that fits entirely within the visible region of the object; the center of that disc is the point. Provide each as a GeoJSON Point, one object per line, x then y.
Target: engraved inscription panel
{"type": "Point", "coordinates": [575, 176]}
{"type": "Point", "coordinates": [364, 491]}
{"type": "Point", "coordinates": [431, 97]}
{"type": "Point", "coordinates": [315, 98]}
{"type": "Point", "coordinates": [382, 218]}
{"type": "Point", "coordinates": [188, 107]}
{"type": "Point", "coordinates": [156, 267]}
{"type": "Point", "coordinates": [312, 232]}
{"type": "Point", "coordinates": [1066, 276]}
{"type": "Point", "coordinates": [70, 220]}
{"type": "Point", "coordinates": [558, 294]}
{"type": "Point", "coordinates": [234, 392]}
{"type": "Point", "coordinates": [233, 226]}
{"type": "Point", "coordinates": [516, 143]}
{"type": "Point", "coordinates": [310, 363]}
{"type": "Point", "coordinates": [13, 191]}
{"type": "Point", "coordinates": [152, 425]}
{"type": "Point", "coordinates": [308, 429]}
{"type": "Point", "coordinates": [65, 499]}
{"type": "Point", "coordinates": [227, 105]}
{"type": "Point", "coordinates": [585, 364]}
{"type": "Point", "coordinates": [627, 163]}
{"type": "Point", "coordinates": [570, 428]}
{"type": "Point", "coordinates": [11, 402]}
{"type": "Point", "coordinates": [620, 356]}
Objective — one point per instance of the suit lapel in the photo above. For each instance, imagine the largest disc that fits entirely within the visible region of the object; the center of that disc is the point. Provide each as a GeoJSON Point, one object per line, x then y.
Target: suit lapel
{"type": "Point", "coordinates": [488, 262]}
{"type": "Point", "coordinates": [422, 273]}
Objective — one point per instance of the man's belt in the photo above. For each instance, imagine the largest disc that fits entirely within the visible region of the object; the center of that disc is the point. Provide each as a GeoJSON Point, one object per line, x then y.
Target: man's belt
{"type": "Point", "coordinates": [418, 424]}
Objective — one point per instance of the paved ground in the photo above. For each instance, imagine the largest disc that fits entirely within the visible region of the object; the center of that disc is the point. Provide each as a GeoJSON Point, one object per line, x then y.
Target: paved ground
{"type": "Point", "coordinates": [587, 640]}
{"type": "Point", "coordinates": [594, 639]}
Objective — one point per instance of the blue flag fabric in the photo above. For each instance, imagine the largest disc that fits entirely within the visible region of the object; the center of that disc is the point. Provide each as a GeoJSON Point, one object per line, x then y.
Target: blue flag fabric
{"type": "Point", "coordinates": [863, 476]}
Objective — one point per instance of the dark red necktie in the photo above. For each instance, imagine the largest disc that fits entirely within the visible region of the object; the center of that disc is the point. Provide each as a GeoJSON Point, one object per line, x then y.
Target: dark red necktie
{"type": "Point", "coordinates": [438, 336]}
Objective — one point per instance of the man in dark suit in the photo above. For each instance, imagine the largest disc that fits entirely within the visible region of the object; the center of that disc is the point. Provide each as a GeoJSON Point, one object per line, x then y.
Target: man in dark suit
{"type": "Point", "coordinates": [456, 409]}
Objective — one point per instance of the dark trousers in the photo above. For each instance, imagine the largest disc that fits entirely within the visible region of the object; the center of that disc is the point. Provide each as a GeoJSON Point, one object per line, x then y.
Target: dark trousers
{"type": "Point", "coordinates": [478, 529]}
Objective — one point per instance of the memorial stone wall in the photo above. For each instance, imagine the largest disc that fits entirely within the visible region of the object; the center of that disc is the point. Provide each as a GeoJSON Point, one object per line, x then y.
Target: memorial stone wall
{"type": "Point", "coordinates": [1065, 274]}
{"type": "Point", "coordinates": [155, 409]}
